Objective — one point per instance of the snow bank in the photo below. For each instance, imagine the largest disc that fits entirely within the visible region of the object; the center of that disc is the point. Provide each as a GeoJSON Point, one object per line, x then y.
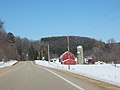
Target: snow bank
{"type": "Point", "coordinates": [9, 63]}
{"type": "Point", "coordinates": [106, 72]}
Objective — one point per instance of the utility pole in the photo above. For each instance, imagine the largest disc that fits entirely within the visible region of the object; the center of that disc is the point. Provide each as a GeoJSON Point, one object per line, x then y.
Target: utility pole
{"type": "Point", "coordinates": [68, 41]}
{"type": "Point", "coordinates": [42, 54]}
{"type": "Point", "coordinates": [48, 54]}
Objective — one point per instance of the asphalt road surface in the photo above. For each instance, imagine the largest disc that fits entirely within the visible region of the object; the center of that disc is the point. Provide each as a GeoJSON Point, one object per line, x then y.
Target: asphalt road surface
{"type": "Point", "coordinates": [28, 76]}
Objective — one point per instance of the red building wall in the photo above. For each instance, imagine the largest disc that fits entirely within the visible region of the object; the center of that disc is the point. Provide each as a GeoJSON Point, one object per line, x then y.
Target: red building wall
{"type": "Point", "coordinates": [68, 58]}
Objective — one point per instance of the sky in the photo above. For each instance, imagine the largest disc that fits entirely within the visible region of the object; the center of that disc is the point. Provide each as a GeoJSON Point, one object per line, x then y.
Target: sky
{"type": "Point", "coordinates": [35, 19]}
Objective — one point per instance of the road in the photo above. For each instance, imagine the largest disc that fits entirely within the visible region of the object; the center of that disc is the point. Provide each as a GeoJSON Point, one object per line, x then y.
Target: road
{"type": "Point", "coordinates": [28, 76]}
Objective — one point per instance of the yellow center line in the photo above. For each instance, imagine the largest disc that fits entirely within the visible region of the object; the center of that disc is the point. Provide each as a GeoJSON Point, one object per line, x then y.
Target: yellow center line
{"type": "Point", "coordinates": [3, 73]}
{"type": "Point", "coordinates": [6, 72]}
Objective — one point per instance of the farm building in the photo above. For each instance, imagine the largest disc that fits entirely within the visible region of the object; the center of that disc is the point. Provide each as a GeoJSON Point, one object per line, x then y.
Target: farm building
{"type": "Point", "coordinates": [67, 58]}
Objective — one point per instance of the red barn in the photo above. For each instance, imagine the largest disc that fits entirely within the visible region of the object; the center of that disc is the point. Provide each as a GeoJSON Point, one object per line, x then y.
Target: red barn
{"type": "Point", "coordinates": [67, 58]}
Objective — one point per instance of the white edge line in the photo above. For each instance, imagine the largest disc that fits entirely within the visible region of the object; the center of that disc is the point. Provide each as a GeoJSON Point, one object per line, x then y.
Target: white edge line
{"type": "Point", "coordinates": [80, 88]}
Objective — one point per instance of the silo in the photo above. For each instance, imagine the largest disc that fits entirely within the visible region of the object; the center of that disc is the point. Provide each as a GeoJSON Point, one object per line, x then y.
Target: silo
{"type": "Point", "coordinates": [80, 55]}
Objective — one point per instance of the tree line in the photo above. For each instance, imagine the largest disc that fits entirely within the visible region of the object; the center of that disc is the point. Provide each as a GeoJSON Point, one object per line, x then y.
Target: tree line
{"type": "Point", "coordinates": [8, 49]}
{"type": "Point", "coordinates": [96, 49]}
{"type": "Point", "coordinates": [15, 47]}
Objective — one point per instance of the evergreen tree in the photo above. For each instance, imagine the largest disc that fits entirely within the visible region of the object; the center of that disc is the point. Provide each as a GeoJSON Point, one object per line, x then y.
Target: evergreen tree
{"type": "Point", "coordinates": [10, 38]}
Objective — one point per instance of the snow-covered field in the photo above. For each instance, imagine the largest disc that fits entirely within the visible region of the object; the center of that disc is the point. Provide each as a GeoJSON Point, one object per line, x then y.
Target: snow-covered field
{"type": "Point", "coordinates": [9, 63]}
{"type": "Point", "coordinates": [106, 72]}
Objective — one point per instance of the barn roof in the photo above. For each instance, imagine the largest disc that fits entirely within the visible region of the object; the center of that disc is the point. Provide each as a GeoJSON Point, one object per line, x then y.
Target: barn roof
{"type": "Point", "coordinates": [65, 53]}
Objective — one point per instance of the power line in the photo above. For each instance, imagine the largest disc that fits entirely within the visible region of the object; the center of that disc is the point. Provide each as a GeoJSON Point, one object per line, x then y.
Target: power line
{"type": "Point", "coordinates": [110, 21]}
{"type": "Point", "coordinates": [100, 19]}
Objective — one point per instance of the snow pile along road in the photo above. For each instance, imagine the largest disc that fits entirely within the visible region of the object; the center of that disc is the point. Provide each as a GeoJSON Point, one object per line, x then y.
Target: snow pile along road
{"type": "Point", "coordinates": [8, 63]}
{"type": "Point", "coordinates": [106, 72]}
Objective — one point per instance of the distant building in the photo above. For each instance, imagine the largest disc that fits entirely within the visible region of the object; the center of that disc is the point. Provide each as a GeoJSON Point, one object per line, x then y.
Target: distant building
{"type": "Point", "coordinates": [89, 60]}
{"type": "Point", "coordinates": [67, 58]}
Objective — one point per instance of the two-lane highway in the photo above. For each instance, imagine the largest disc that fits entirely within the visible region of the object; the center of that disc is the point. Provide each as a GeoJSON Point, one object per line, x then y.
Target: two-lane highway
{"type": "Point", "coordinates": [28, 76]}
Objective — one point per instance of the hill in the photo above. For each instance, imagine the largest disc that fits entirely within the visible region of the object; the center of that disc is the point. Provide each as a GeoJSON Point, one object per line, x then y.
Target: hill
{"type": "Point", "coordinates": [98, 50]}
{"type": "Point", "coordinates": [58, 45]}
{"type": "Point", "coordinates": [12, 47]}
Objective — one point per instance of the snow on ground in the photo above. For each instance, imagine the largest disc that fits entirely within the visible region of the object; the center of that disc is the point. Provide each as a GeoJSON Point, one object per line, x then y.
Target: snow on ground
{"type": "Point", "coordinates": [6, 64]}
{"type": "Point", "coordinates": [105, 72]}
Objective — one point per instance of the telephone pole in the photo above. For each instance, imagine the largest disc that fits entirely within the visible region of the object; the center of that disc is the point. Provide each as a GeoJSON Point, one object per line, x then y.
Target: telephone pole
{"type": "Point", "coordinates": [48, 54]}
{"type": "Point", "coordinates": [68, 41]}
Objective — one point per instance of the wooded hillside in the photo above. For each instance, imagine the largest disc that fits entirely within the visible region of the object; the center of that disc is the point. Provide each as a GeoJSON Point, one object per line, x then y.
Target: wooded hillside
{"type": "Point", "coordinates": [98, 50]}
{"type": "Point", "coordinates": [12, 47]}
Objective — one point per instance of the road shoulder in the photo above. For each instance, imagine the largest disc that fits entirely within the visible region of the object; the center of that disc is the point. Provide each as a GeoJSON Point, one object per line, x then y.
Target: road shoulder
{"type": "Point", "coordinates": [100, 84]}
